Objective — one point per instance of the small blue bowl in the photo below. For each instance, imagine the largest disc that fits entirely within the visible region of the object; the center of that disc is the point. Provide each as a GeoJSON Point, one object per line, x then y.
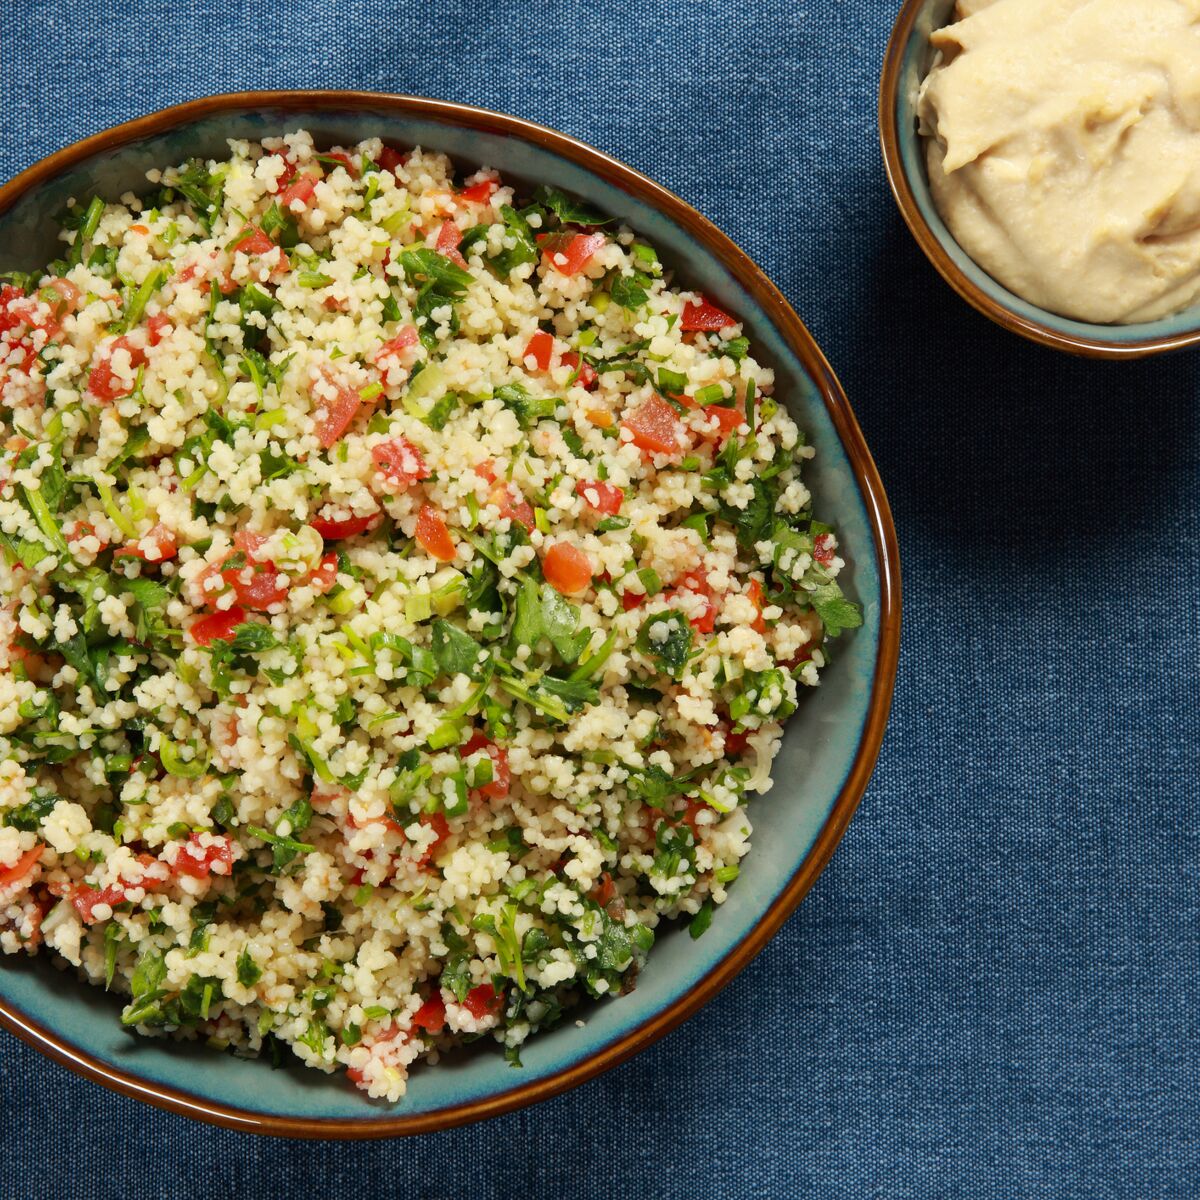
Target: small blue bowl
{"type": "Point", "coordinates": [906, 63]}
{"type": "Point", "coordinates": [830, 747]}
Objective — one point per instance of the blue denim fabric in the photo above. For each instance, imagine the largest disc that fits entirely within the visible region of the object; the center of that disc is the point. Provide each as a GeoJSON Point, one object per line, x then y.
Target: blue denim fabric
{"type": "Point", "coordinates": [992, 991]}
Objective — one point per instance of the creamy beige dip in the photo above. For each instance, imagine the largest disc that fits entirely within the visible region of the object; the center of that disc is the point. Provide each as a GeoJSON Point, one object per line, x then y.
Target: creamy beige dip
{"type": "Point", "coordinates": [1064, 150]}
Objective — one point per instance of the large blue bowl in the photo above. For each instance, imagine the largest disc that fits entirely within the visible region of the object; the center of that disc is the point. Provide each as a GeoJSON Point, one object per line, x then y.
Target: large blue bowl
{"type": "Point", "coordinates": [831, 744]}
{"type": "Point", "coordinates": [907, 61]}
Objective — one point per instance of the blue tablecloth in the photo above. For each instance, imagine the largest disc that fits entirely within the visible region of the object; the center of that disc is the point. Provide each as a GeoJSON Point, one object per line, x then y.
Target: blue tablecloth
{"type": "Point", "coordinates": [992, 991]}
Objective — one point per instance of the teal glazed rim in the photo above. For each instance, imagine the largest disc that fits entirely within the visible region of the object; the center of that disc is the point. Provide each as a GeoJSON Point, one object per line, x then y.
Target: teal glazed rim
{"type": "Point", "coordinates": [905, 64]}
{"type": "Point", "coordinates": [833, 755]}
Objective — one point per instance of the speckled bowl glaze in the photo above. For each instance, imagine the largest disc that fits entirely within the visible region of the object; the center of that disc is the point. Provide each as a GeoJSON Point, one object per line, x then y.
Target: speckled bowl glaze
{"type": "Point", "coordinates": [831, 744]}
{"type": "Point", "coordinates": [906, 63]}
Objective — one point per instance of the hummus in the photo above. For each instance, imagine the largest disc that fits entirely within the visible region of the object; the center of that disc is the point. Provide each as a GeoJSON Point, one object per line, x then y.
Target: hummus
{"type": "Point", "coordinates": [1064, 150]}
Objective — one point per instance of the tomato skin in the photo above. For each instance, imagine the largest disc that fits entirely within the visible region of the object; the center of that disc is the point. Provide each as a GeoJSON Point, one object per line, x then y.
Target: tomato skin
{"type": "Point", "coordinates": [567, 569]}
{"type": "Point", "coordinates": [200, 861]}
{"type": "Point", "coordinates": [576, 248]}
{"type": "Point", "coordinates": [483, 1001]}
{"type": "Point", "coordinates": [540, 349]}
{"type": "Point", "coordinates": [449, 238]}
{"type": "Point", "coordinates": [10, 876]}
{"type": "Point", "coordinates": [479, 193]}
{"type": "Point", "coordinates": [632, 600]}
{"type": "Point", "coordinates": [704, 317]}
{"type": "Point", "coordinates": [600, 496]}
{"type": "Point", "coordinates": [586, 377]}
{"type": "Point", "coordinates": [486, 470]}
{"type": "Point", "coordinates": [512, 505]}
{"type": "Point", "coordinates": [501, 776]}
{"type": "Point", "coordinates": [431, 1016]}
{"type": "Point", "coordinates": [164, 542]}
{"type": "Point", "coordinates": [299, 189]}
{"type": "Point", "coordinates": [432, 534]}
{"type": "Point", "coordinates": [400, 462]}
{"type": "Point", "coordinates": [391, 160]}
{"type": "Point", "coordinates": [654, 426]}
{"type": "Point", "coordinates": [332, 417]}
{"type": "Point", "coordinates": [252, 240]}
{"type": "Point", "coordinates": [333, 531]}
{"type": "Point", "coordinates": [824, 550]}
{"type": "Point", "coordinates": [217, 626]}
{"type": "Point", "coordinates": [735, 743]}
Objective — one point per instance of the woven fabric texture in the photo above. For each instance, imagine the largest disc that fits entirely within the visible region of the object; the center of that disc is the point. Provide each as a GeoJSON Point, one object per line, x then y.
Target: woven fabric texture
{"type": "Point", "coordinates": [992, 991]}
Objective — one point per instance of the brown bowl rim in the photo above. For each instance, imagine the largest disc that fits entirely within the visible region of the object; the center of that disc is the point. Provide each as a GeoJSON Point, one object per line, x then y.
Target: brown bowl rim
{"type": "Point", "coordinates": [935, 251]}
{"type": "Point", "coordinates": [886, 551]}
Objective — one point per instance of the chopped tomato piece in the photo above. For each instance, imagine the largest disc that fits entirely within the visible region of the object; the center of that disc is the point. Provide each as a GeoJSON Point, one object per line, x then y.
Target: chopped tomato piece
{"type": "Point", "coordinates": [689, 815]}
{"type": "Point", "coordinates": [512, 505]}
{"type": "Point", "coordinates": [200, 861]}
{"type": "Point", "coordinates": [324, 578]}
{"type": "Point", "coordinates": [567, 569]}
{"type": "Point", "coordinates": [345, 160]}
{"type": "Point", "coordinates": [431, 1016]}
{"type": "Point", "coordinates": [824, 549]}
{"type": "Point", "coordinates": [697, 581]}
{"type": "Point", "coordinates": [586, 375]}
{"type": "Point", "coordinates": [654, 426]}
{"type": "Point", "coordinates": [162, 541]}
{"type": "Point", "coordinates": [391, 160]}
{"type": "Point", "coordinates": [85, 899]}
{"type": "Point", "coordinates": [704, 317]}
{"type": "Point", "coordinates": [252, 240]}
{"type": "Point", "coordinates": [755, 593]}
{"type": "Point", "coordinates": [483, 1001]}
{"type": "Point", "coordinates": [501, 777]}
{"type": "Point", "coordinates": [332, 414]}
{"type": "Point", "coordinates": [217, 626]}
{"type": "Point", "coordinates": [632, 600]}
{"type": "Point", "coordinates": [300, 189]}
{"type": "Point", "coordinates": [156, 328]}
{"type": "Point", "coordinates": [256, 584]}
{"type": "Point", "coordinates": [603, 497]}
{"type": "Point", "coordinates": [479, 193]}
{"type": "Point", "coordinates": [540, 349]}
{"type": "Point", "coordinates": [400, 462]}
{"type": "Point", "coordinates": [432, 535]}
{"type": "Point", "coordinates": [10, 876]}
{"type": "Point", "coordinates": [725, 420]}
{"type": "Point", "coordinates": [449, 238]}
{"type": "Point", "coordinates": [103, 382]}
{"type": "Point", "coordinates": [735, 743]}
{"type": "Point", "coordinates": [62, 297]}
{"type": "Point", "coordinates": [604, 890]}
{"type": "Point", "coordinates": [401, 348]}
{"type": "Point", "coordinates": [441, 828]}
{"type": "Point", "coordinates": [486, 470]}
{"type": "Point", "coordinates": [575, 249]}
{"type": "Point", "coordinates": [332, 531]}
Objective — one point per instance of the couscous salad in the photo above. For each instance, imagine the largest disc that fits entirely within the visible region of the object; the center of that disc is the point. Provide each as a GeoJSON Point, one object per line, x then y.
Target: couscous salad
{"type": "Point", "coordinates": [404, 589]}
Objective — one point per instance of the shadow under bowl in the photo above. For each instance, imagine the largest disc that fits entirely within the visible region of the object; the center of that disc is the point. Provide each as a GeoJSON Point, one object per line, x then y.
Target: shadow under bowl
{"type": "Point", "coordinates": [907, 61]}
{"type": "Point", "coordinates": [830, 747]}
